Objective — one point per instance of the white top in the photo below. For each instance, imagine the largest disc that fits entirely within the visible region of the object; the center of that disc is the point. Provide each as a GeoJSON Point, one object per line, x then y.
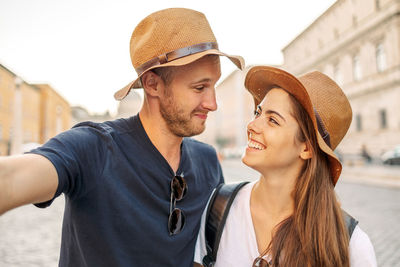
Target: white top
{"type": "Point", "coordinates": [238, 245]}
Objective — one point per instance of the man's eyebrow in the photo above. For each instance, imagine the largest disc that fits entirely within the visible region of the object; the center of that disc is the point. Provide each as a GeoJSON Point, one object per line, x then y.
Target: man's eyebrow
{"type": "Point", "coordinates": [203, 80]}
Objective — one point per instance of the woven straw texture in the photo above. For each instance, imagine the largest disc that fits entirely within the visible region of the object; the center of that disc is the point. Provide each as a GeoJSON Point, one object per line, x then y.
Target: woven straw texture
{"type": "Point", "coordinates": [168, 30]}
{"type": "Point", "coordinates": [331, 104]}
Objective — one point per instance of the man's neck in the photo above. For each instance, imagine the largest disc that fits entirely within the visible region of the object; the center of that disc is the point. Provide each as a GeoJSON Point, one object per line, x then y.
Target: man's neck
{"type": "Point", "coordinates": [167, 143]}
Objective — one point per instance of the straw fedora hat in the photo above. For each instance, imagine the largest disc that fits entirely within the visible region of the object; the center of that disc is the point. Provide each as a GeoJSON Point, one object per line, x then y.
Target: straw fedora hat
{"type": "Point", "coordinates": [171, 37]}
{"type": "Point", "coordinates": [324, 101]}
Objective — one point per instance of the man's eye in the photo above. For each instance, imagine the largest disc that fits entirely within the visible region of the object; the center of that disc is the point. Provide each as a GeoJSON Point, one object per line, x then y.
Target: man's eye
{"type": "Point", "coordinates": [200, 87]}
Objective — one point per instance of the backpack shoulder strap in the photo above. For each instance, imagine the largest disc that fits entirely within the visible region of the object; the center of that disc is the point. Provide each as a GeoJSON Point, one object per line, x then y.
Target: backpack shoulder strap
{"type": "Point", "coordinates": [350, 222]}
{"type": "Point", "coordinates": [217, 212]}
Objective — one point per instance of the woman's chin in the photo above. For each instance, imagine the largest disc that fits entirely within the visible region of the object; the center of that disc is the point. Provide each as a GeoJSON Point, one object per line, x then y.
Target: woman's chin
{"type": "Point", "coordinates": [247, 161]}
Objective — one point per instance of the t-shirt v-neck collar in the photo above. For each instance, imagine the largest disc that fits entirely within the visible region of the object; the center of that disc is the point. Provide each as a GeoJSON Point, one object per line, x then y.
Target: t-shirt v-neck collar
{"type": "Point", "coordinates": [160, 158]}
{"type": "Point", "coordinates": [255, 250]}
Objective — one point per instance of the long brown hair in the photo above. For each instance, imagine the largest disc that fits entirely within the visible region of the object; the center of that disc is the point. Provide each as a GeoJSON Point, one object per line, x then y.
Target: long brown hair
{"type": "Point", "coordinates": [315, 234]}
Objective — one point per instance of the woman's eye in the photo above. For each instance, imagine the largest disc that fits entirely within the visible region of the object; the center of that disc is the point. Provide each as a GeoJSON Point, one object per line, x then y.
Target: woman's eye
{"type": "Point", "coordinates": [273, 121]}
{"type": "Point", "coordinates": [256, 113]}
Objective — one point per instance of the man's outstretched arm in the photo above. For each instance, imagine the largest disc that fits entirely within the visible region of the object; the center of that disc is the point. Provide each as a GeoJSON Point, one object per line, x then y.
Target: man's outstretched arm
{"type": "Point", "coordinates": [25, 179]}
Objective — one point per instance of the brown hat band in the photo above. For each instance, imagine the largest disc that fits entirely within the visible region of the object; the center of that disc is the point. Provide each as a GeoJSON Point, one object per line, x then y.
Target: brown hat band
{"type": "Point", "coordinates": [170, 56]}
{"type": "Point", "coordinates": [322, 130]}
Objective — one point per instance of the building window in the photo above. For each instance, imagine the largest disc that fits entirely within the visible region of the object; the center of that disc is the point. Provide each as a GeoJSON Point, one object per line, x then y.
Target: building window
{"type": "Point", "coordinates": [358, 123]}
{"type": "Point", "coordinates": [357, 73]}
{"type": "Point", "coordinates": [59, 110]}
{"type": "Point", "coordinates": [320, 44]}
{"type": "Point", "coordinates": [380, 57]}
{"type": "Point", "coordinates": [27, 137]}
{"type": "Point", "coordinates": [354, 20]}
{"type": "Point", "coordinates": [336, 33]}
{"type": "Point", "coordinates": [383, 118]}
{"type": "Point", "coordinates": [337, 75]}
{"type": "Point", "coordinates": [377, 4]}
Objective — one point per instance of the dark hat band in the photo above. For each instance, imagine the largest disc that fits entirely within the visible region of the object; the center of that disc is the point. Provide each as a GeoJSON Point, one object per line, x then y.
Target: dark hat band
{"type": "Point", "coordinates": [179, 53]}
{"type": "Point", "coordinates": [322, 130]}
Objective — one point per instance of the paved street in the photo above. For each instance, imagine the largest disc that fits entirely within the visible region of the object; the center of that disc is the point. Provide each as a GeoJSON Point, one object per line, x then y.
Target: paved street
{"type": "Point", "coordinates": [31, 237]}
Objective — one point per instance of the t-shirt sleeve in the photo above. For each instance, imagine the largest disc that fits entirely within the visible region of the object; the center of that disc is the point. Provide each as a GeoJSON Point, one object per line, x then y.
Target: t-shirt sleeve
{"type": "Point", "coordinates": [78, 156]}
{"type": "Point", "coordinates": [362, 252]}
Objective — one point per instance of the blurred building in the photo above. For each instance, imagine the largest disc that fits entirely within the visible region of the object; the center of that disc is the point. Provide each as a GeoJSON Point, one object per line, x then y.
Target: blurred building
{"type": "Point", "coordinates": [28, 113]}
{"type": "Point", "coordinates": [55, 113]}
{"type": "Point", "coordinates": [130, 105]}
{"type": "Point", "coordinates": [226, 127]}
{"type": "Point", "coordinates": [80, 114]}
{"type": "Point", "coordinates": [127, 107]}
{"type": "Point", "coordinates": [357, 43]}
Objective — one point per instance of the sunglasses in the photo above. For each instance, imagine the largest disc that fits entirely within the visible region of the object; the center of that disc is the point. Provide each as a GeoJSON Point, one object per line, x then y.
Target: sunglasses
{"type": "Point", "coordinates": [260, 262]}
{"type": "Point", "coordinates": [176, 219]}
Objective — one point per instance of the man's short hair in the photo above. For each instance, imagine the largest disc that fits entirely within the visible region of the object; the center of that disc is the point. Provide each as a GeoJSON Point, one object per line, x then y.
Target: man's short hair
{"type": "Point", "coordinates": [167, 73]}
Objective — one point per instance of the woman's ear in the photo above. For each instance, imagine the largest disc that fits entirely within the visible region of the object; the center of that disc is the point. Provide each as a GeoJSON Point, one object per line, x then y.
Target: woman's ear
{"type": "Point", "coordinates": [151, 83]}
{"type": "Point", "coordinates": [306, 152]}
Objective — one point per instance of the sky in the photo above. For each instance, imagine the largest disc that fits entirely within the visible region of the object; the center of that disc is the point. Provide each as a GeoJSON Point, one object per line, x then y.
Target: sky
{"type": "Point", "coordinates": [81, 47]}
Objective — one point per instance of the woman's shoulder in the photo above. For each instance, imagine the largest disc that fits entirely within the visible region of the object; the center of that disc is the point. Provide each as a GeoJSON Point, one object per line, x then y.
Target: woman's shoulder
{"type": "Point", "coordinates": [361, 250]}
{"type": "Point", "coordinates": [243, 196]}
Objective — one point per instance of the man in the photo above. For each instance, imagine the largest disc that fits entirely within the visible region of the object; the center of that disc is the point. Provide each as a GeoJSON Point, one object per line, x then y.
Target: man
{"type": "Point", "coordinates": [134, 188]}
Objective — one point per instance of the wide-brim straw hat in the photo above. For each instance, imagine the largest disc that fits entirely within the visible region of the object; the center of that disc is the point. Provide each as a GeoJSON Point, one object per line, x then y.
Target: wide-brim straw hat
{"type": "Point", "coordinates": [323, 100]}
{"type": "Point", "coordinates": [171, 37]}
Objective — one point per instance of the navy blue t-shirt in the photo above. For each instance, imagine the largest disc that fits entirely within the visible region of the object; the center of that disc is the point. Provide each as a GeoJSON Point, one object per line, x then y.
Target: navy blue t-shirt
{"type": "Point", "coordinates": [117, 190]}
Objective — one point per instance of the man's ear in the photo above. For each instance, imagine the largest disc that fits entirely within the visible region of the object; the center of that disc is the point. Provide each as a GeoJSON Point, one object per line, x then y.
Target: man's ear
{"type": "Point", "coordinates": [151, 83]}
{"type": "Point", "coordinates": [306, 152]}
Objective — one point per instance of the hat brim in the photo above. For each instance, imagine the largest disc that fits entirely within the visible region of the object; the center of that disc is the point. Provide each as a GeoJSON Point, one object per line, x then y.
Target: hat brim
{"type": "Point", "coordinates": [260, 79]}
{"type": "Point", "coordinates": [237, 60]}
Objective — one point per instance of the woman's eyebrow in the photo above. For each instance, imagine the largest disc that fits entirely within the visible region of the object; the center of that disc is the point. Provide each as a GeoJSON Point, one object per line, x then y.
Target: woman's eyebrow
{"type": "Point", "coordinates": [270, 111]}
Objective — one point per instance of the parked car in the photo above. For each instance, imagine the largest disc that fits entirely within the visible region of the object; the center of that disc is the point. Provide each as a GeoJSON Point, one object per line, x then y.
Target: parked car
{"type": "Point", "coordinates": [392, 157]}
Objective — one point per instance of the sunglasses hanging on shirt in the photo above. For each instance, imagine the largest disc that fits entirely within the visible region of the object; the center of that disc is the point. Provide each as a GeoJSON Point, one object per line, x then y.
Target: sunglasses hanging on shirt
{"type": "Point", "coordinates": [176, 219]}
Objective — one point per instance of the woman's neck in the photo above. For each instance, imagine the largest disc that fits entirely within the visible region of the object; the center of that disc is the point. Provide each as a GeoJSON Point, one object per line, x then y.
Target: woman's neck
{"type": "Point", "coordinates": [273, 192]}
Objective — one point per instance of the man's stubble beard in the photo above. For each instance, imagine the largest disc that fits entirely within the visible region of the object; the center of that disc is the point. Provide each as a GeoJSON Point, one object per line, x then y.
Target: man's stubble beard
{"type": "Point", "coordinates": [177, 121]}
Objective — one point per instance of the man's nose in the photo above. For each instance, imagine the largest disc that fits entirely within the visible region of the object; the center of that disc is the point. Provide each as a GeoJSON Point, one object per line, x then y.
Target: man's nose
{"type": "Point", "coordinates": [210, 101]}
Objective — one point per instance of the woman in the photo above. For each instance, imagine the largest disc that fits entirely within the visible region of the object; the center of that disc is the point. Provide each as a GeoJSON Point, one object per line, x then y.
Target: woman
{"type": "Point", "coordinates": [290, 216]}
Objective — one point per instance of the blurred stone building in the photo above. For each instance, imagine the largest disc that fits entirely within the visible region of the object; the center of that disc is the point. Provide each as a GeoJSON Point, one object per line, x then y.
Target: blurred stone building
{"type": "Point", "coordinates": [226, 127]}
{"type": "Point", "coordinates": [130, 105]}
{"type": "Point", "coordinates": [357, 43]}
{"type": "Point", "coordinates": [81, 114]}
{"type": "Point", "coordinates": [127, 107]}
{"type": "Point", "coordinates": [55, 113]}
{"type": "Point", "coordinates": [29, 113]}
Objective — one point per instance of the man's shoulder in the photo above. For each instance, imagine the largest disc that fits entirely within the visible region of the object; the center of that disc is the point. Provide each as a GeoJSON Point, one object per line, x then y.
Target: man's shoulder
{"type": "Point", "coordinates": [198, 145]}
{"type": "Point", "coordinates": [106, 127]}
{"type": "Point", "coordinates": [200, 151]}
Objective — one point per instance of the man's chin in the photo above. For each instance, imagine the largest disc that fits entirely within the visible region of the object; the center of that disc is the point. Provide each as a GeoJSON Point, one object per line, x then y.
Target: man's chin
{"type": "Point", "coordinates": [195, 132]}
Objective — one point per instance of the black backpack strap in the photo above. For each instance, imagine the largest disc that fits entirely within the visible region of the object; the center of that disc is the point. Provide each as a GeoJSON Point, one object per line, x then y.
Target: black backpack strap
{"type": "Point", "coordinates": [217, 212]}
{"type": "Point", "coordinates": [350, 222]}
